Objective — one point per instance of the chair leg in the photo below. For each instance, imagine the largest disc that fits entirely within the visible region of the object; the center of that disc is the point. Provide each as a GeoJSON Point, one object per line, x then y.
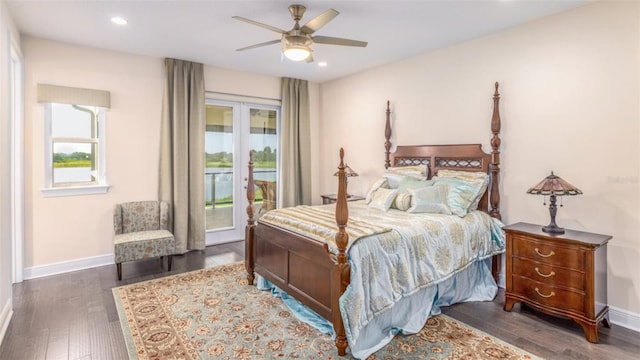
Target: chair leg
{"type": "Point", "coordinates": [119, 267]}
{"type": "Point", "coordinates": [169, 261]}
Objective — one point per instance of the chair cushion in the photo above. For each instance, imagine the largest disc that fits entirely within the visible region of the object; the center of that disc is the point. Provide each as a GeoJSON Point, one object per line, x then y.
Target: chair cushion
{"type": "Point", "coordinates": [140, 216]}
{"type": "Point", "coordinates": [143, 244]}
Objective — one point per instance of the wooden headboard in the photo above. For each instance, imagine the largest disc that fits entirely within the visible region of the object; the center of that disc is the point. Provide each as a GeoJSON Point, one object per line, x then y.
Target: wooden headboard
{"type": "Point", "coordinates": [467, 157]}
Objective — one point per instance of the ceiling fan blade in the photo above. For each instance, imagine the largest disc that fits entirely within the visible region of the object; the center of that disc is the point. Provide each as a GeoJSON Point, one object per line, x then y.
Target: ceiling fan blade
{"type": "Point", "coordinates": [338, 41]}
{"type": "Point", "coordinates": [319, 21]}
{"type": "Point", "coordinates": [265, 26]}
{"type": "Point", "coordinates": [259, 45]}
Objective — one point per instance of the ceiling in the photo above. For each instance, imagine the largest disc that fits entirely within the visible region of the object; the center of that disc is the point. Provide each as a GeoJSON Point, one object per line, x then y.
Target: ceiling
{"type": "Point", "coordinates": [204, 31]}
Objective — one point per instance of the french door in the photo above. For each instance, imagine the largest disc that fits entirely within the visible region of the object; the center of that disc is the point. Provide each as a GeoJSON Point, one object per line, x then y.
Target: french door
{"type": "Point", "coordinates": [233, 129]}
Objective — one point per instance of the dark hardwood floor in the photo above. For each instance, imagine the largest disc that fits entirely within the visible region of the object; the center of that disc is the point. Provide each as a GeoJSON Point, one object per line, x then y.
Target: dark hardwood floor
{"type": "Point", "coordinates": [73, 316]}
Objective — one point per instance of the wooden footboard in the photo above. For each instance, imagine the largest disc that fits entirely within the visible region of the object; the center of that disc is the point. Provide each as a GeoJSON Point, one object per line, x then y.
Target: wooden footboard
{"type": "Point", "coordinates": [302, 267]}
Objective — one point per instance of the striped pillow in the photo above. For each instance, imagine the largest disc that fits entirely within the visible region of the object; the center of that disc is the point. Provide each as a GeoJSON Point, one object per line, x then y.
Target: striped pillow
{"type": "Point", "coordinates": [402, 202]}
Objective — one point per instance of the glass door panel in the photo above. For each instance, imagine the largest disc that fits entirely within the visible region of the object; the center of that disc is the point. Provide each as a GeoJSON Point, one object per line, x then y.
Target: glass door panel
{"type": "Point", "coordinates": [219, 167]}
{"type": "Point", "coordinates": [264, 144]}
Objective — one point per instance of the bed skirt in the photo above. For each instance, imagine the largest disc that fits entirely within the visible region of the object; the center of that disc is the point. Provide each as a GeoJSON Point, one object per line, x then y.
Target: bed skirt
{"type": "Point", "coordinates": [409, 314]}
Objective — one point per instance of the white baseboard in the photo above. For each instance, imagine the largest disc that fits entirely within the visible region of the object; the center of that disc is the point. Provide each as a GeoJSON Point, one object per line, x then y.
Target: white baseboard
{"type": "Point", "coordinates": [67, 266]}
{"type": "Point", "coordinates": [5, 318]}
{"type": "Point", "coordinates": [624, 318]}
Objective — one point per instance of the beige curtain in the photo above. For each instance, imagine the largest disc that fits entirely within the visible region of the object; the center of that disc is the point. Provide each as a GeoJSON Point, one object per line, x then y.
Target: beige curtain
{"type": "Point", "coordinates": [295, 137]}
{"type": "Point", "coordinates": [182, 152]}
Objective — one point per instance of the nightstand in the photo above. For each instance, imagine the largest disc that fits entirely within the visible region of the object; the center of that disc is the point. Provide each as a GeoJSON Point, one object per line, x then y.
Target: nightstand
{"type": "Point", "coordinates": [563, 275]}
{"type": "Point", "coordinates": [331, 198]}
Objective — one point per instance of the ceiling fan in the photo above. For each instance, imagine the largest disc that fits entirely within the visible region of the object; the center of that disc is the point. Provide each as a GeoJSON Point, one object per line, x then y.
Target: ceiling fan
{"type": "Point", "coordinates": [297, 42]}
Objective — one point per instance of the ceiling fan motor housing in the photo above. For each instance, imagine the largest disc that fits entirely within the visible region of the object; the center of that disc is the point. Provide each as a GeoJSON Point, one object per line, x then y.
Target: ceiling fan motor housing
{"type": "Point", "coordinates": [296, 40]}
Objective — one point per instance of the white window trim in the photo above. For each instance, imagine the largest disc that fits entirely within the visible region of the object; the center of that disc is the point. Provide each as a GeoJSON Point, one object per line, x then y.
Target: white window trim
{"type": "Point", "coordinates": [49, 190]}
{"type": "Point", "coordinates": [75, 190]}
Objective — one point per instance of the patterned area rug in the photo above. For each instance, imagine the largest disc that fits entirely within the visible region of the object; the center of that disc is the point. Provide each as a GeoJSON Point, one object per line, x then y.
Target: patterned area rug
{"type": "Point", "coordinates": [213, 314]}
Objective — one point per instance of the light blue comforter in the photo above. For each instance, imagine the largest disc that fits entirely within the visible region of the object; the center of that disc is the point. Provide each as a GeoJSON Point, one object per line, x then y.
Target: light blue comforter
{"type": "Point", "coordinates": [400, 277]}
{"type": "Point", "coordinates": [422, 250]}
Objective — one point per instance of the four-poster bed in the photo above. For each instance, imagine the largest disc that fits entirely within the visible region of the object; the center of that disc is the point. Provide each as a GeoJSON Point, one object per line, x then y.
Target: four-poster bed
{"type": "Point", "coordinates": [318, 274]}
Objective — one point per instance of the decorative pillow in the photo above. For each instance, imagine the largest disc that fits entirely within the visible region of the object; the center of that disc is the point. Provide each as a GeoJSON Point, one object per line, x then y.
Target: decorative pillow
{"type": "Point", "coordinates": [412, 183]}
{"type": "Point", "coordinates": [418, 171]}
{"type": "Point", "coordinates": [382, 198]}
{"type": "Point", "coordinates": [460, 195]}
{"type": "Point", "coordinates": [393, 180]}
{"type": "Point", "coordinates": [381, 183]}
{"type": "Point", "coordinates": [477, 179]}
{"type": "Point", "coordinates": [463, 175]}
{"type": "Point", "coordinates": [431, 199]}
{"type": "Point", "coordinates": [402, 201]}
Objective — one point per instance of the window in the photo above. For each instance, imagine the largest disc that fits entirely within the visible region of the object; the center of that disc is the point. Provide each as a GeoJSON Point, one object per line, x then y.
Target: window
{"type": "Point", "coordinates": [74, 140]}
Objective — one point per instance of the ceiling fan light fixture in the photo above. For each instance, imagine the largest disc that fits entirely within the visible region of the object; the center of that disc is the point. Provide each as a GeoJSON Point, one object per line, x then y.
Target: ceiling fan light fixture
{"type": "Point", "coordinates": [297, 52]}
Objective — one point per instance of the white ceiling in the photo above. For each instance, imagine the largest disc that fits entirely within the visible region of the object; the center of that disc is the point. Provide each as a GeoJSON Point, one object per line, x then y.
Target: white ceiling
{"type": "Point", "coordinates": [204, 31]}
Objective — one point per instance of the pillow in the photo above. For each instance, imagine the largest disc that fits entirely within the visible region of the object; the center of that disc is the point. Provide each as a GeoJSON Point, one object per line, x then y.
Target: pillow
{"type": "Point", "coordinates": [402, 201]}
{"type": "Point", "coordinates": [431, 199]}
{"type": "Point", "coordinates": [381, 183]}
{"type": "Point", "coordinates": [460, 195]}
{"type": "Point", "coordinates": [382, 198]}
{"type": "Point", "coordinates": [416, 171]}
{"type": "Point", "coordinates": [463, 175]}
{"type": "Point", "coordinates": [477, 179]}
{"type": "Point", "coordinates": [412, 183]}
{"type": "Point", "coordinates": [393, 180]}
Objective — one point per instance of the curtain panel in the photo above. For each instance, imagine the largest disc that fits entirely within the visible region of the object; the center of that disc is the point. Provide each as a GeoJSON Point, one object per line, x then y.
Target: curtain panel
{"type": "Point", "coordinates": [181, 180]}
{"type": "Point", "coordinates": [296, 151]}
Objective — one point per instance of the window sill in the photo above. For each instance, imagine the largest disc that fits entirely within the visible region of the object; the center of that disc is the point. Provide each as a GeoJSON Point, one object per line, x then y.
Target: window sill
{"type": "Point", "coordinates": [75, 190]}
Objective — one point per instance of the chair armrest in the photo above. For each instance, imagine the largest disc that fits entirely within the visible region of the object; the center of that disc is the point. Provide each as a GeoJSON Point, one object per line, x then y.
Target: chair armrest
{"type": "Point", "coordinates": [117, 219]}
{"type": "Point", "coordinates": [166, 221]}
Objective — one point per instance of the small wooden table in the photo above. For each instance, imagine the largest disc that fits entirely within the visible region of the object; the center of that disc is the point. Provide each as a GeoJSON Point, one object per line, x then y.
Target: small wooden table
{"type": "Point", "coordinates": [331, 198]}
{"type": "Point", "coordinates": [563, 274]}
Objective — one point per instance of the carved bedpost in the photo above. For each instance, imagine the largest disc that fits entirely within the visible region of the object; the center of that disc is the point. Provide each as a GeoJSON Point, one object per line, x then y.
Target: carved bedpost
{"type": "Point", "coordinates": [251, 224]}
{"type": "Point", "coordinates": [387, 135]}
{"type": "Point", "coordinates": [341, 273]}
{"type": "Point", "coordinates": [495, 157]}
{"type": "Point", "coordinates": [494, 168]}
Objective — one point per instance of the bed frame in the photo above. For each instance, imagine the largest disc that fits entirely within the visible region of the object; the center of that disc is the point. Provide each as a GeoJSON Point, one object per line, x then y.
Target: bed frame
{"type": "Point", "coordinates": [305, 269]}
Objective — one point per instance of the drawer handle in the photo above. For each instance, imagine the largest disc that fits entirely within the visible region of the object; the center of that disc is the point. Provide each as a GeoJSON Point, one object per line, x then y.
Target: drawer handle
{"type": "Point", "coordinates": [544, 255]}
{"type": "Point", "coordinates": [545, 296]}
{"type": "Point", "coordinates": [545, 275]}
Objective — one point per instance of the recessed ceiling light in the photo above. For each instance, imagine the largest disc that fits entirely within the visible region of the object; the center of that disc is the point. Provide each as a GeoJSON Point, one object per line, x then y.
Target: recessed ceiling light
{"type": "Point", "coordinates": [119, 20]}
{"type": "Point", "coordinates": [322, 64]}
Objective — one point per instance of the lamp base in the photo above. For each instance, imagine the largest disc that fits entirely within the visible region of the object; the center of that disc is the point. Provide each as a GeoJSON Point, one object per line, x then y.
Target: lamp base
{"type": "Point", "coordinates": [553, 229]}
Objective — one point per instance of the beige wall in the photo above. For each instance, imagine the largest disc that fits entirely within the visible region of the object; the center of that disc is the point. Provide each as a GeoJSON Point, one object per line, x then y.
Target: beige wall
{"type": "Point", "coordinates": [77, 228]}
{"type": "Point", "coordinates": [8, 30]}
{"type": "Point", "coordinates": [570, 87]}
{"type": "Point", "coordinates": [67, 228]}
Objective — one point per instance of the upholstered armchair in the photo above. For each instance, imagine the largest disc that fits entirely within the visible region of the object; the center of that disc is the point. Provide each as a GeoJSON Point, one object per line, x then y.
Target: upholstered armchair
{"type": "Point", "coordinates": [141, 232]}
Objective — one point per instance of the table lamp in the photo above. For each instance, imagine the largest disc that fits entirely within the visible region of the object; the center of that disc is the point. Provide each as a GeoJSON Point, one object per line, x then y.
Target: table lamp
{"type": "Point", "coordinates": [553, 186]}
{"type": "Point", "coordinates": [348, 172]}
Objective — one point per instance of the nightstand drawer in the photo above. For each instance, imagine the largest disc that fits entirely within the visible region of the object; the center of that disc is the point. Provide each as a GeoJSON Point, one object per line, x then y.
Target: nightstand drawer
{"type": "Point", "coordinates": [550, 275]}
{"type": "Point", "coordinates": [547, 253]}
{"type": "Point", "coordinates": [549, 295]}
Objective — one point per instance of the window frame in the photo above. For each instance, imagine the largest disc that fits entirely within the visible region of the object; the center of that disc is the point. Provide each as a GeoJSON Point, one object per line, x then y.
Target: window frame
{"type": "Point", "coordinates": [100, 186]}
